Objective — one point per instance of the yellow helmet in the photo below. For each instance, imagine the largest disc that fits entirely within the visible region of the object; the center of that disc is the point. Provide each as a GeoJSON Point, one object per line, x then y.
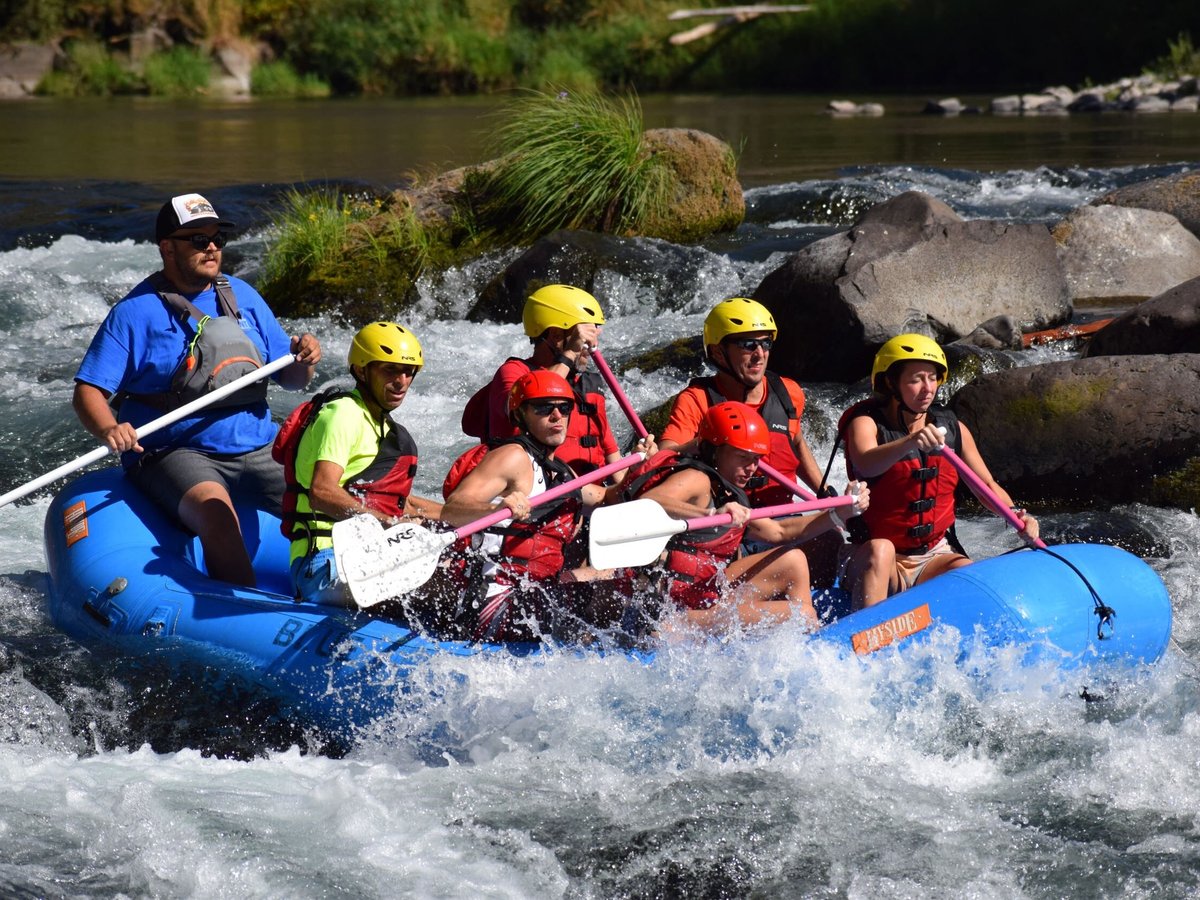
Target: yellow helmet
{"type": "Point", "coordinates": [908, 348]}
{"type": "Point", "coordinates": [385, 342]}
{"type": "Point", "coordinates": [737, 315]}
{"type": "Point", "coordinates": [559, 306]}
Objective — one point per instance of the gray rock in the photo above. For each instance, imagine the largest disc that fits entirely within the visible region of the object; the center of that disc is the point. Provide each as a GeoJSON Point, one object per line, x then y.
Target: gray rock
{"type": "Point", "coordinates": [1178, 195]}
{"type": "Point", "coordinates": [842, 107]}
{"type": "Point", "coordinates": [948, 106]}
{"type": "Point", "coordinates": [1006, 106]}
{"type": "Point", "coordinates": [1087, 430]}
{"type": "Point", "coordinates": [26, 63]}
{"type": "Point", "coordinates": [1189, 103]}
{"type": "Point", "coordinates": [909, 265]}
{"type": "Point", "coordinates": [1148, 104]}
{"type": "Point", "coordinates": [1168, 323]}
{"type": "Point", "coordinates": [1113, 252]}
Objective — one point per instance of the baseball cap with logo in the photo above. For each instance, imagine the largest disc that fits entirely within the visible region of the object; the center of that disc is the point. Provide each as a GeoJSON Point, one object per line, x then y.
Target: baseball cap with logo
{"type": "Point", "coordinates": [186, 211]}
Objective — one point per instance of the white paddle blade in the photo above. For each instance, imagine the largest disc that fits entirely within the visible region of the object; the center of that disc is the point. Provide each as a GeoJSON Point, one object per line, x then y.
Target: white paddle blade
{"type": "Point", "coordinates": [630, 534]}
{"type": "Point", "coordinates": [380, 565]}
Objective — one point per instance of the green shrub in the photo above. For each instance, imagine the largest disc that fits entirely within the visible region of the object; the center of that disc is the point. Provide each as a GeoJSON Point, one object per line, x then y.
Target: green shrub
{"type": "Point", "coordinates": [1182, 58]}
{"type": "Point", "coordinates": [279, 79]}
{"type": "Point", "coordinates": [90, 72]}
{"type": "Point", "coordinates": [179, 72]}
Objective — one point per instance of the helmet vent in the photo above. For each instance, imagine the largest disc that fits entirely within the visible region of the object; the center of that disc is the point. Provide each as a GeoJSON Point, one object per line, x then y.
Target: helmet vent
{"type": "Point", "coordinates": [388, 350]}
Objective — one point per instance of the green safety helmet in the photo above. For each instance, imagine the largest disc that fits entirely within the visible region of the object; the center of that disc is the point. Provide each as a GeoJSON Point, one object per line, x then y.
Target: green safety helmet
{"type": "Point", "coordinates": [385, 342]}
{"type": "Point", "coordinates": [737, 315]}
{"type": "Point", "coordinates": [559, 306]}
{"type": "Point", "coordinates": [908, 348]}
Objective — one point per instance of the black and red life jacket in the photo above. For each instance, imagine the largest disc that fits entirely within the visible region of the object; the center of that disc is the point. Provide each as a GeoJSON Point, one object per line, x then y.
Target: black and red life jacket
{"type": "Point", "coordinates": [383, 485]}
{"type": "Point", "coordinates": [583, 449]}
{"type": "Point", "coordinates": [533, 547]}
{"type": "Point", "coordinates": [692, 555]}
{"type": "Point", "coordinates": [912, 503]}
{"type": "Point", "coordinates": [783, 423]}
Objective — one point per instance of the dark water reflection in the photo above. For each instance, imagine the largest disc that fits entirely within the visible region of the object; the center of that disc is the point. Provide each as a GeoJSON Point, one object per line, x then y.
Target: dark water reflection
{"type": "Point", "coordinates": [778, 138]}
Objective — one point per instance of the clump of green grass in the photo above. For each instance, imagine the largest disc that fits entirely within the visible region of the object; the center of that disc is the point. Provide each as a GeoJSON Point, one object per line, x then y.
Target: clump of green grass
{"type": "Point", "coordinates": [90, 71]}
{"type": "Point", "coordinates": [1182, 59]}
{"type": "Point", "coordinates": [280, 79]}
{"type": "Point", "coordinates": [572, 160]}
{"type": "Point", "coordinates": [179, 72]}
{"type": "Point", "coordinates": [347, 254]}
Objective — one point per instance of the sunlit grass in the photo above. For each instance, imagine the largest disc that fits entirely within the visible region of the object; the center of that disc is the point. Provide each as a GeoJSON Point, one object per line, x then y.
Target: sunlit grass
{"type": "Point", "coordinates": [572, 160]}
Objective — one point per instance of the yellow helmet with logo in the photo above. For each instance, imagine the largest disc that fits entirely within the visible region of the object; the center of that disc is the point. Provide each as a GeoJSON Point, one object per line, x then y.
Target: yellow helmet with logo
{"type": "Point", "coordinates": [385, 342]}
{"type": "Point", "coordinates": [737, 315]}
{"type": "Point", "coordinates": [908, 348]}
{"type": "Point", "coordinates": [559, 306]}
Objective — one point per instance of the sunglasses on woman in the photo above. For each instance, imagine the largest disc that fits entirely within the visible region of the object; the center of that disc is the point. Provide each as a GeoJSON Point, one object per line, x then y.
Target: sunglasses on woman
{"type": "Point", "coordinates": [201, 241]}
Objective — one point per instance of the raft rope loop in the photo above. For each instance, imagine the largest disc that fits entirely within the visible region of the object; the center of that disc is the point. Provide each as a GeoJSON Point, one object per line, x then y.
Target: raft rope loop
{"type": "Point", "coordinates": [1106, 614]}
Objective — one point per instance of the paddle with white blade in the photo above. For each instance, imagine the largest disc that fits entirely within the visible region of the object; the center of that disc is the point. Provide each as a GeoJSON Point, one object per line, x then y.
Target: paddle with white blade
{"type": "Point", "coordinates": [379, 565]}
{"type": "Point", "coordinates": [637, 532]}
{"type": "Point", "coordinates": [152, 426]}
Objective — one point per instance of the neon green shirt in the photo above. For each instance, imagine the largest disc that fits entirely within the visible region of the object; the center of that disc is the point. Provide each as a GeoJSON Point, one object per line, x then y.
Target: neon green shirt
{"type": "Point", "coordinates": [343, 432]}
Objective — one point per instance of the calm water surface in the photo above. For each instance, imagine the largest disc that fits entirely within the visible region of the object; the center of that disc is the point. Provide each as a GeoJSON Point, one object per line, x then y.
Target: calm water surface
{"type": "Point", "coordinates": [779, 139]}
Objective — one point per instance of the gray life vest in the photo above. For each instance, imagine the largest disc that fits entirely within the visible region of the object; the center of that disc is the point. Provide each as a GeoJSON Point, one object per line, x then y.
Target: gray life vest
{"type": "Point", "coordinates": [218, 352]}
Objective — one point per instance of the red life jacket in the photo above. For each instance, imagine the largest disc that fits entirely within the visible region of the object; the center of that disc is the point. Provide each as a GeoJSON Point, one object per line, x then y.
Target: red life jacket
{"type": "Point", "coordinates": [783, 422]}
{"type": "Point", "coordinates": [583, 449]}
{"type": "Point", "coordinates": [383, 485]}
{"type": "Point", "coordinates": [533, 547]}
{"type": "Point", "coordinates": [693, 557]}
{"type": "Point", "coordinates": [912, 503]}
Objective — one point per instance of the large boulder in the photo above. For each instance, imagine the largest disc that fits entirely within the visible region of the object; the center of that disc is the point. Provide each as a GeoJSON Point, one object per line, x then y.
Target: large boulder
{"type": "Point", "coordinates": [911, 264]}
{"type": "Point", "coordinates": [24, 64]}
{"type": "Point", "coordinates": [1121, 253]}
{"type": "Point", "coordinates": [1178, 195]}
{"type": "Point", "coordinates": [707, 196]}
{"type": "Point", "coordinates": [1168, 323]}
{"type": "Point", "coordinates": [1087, 430]}
{"type": "Point", "coordinates": [656, 269]}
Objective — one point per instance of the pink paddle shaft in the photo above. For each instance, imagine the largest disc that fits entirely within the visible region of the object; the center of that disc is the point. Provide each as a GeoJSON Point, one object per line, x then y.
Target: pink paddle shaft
{"type": "Point", "coordinates": [631, 414]}
{"type": "Point", "coordinates": [553, 493]}
{"type": "Point", "coordinates": [968, 475]}
{"type": "Point", "coordinates": [770, 512]}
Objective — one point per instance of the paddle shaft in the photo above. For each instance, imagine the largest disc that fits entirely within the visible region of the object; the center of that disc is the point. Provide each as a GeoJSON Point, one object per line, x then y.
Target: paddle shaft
{"type": "Point", "coordinates": [500, 515]}
{"type": "Point", "coordinates": [770, 512]}
{"type": "Point", "coordinates": [977, 484]}
{"type": "Point", "coordinates": [149, 428]}
{"type": "Point", "coordinates": [631, 414]}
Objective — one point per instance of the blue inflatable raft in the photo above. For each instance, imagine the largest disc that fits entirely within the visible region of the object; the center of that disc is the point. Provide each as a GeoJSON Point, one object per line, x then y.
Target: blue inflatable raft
{"type": "Point", "coordinates": [125, 579]}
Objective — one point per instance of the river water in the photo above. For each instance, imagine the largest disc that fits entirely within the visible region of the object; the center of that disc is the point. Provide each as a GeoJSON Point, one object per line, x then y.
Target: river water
{"type": "Point", "coordinates": [760, 767]}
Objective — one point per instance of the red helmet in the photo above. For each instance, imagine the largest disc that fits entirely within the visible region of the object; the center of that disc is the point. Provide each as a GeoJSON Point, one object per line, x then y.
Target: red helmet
{"type": "Point", "coordinates": [539, 384]}
{"type": "Point", "coordinates": [737, 425]}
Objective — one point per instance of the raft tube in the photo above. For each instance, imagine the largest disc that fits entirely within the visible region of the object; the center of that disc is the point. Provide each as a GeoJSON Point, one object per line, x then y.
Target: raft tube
{"type": "Point", "coordinates": [125, 579]}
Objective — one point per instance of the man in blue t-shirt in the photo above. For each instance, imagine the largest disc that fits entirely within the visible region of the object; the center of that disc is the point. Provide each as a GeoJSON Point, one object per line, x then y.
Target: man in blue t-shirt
{"type": "Point", "coordinates": [148, 351]}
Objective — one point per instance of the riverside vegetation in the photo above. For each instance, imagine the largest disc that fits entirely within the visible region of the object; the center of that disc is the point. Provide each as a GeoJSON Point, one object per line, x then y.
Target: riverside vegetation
{"type": "Point", "coordinates": [313, 47]}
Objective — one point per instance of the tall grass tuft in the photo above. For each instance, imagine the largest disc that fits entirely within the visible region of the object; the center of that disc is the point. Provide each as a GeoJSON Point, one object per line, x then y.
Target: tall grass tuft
{"type": "Point", "coordinates": [572, 161]}
{"type": "Point", "coordinates": [179, 72]}
{"type": "Point", "coordinates": [280, 79]}
{"type": "Point", "coordinates": [90, 72]}
{"type": "Point", "coordinates": [1182, 59]}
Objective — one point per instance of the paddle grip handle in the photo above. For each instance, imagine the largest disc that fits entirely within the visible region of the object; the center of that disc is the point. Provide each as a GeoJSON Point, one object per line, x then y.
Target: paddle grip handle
{"type": "Point", "coordinates": [622, 400]}
{"type": "Point", "coordinates": [149, 428]}
{"type": "Point", "coordinates": [977, 484]}
{"type": "Point", "coordinates": [770, 512]}
{"type": "Point", "coordinates": [504, 513]}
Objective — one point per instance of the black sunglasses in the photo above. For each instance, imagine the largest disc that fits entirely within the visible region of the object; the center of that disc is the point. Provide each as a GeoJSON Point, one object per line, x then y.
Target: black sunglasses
{"type": "Point", "coordinates": [201, 241]}
{"type": "Point", "coordinates": [748, 344]}
{"type": "Point", "coordinates": [545, 407]}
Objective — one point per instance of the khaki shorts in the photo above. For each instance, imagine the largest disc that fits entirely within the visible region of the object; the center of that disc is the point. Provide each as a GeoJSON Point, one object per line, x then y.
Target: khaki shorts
{"type": "Point", "coordinates": [910, 566]}
{"type": "Point", "coordinates": [253, 477]}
